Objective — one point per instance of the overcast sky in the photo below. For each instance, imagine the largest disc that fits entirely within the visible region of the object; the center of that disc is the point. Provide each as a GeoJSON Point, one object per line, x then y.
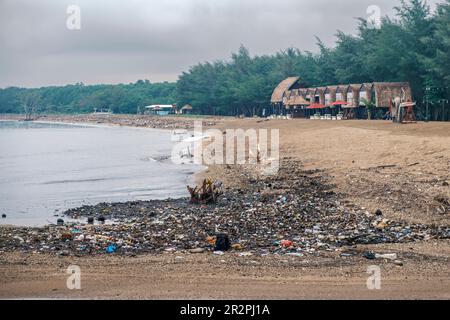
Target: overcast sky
{"type": "Point", "coordinates": [122, 41]}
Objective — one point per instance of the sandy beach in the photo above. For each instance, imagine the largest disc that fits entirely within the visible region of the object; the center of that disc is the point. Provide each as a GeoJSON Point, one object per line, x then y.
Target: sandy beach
{"type": "Point", "coordinates": [401, 171]}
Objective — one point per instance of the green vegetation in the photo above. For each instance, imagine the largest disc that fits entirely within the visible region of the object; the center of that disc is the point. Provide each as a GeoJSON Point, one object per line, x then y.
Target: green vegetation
{"type": "Point", "coordinates": [79, 98]}
{"type": "Point", "coordinates": [413, 46]}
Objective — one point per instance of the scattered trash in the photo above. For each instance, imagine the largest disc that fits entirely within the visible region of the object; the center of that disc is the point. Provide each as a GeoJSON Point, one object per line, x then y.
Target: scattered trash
{"type": "Point", "coordinates": [211, 240]}
{"type": "Point", "coordinates": [3, 215]}
{"type": "Point", "coordinates": [222, 242]}
{"type": "Point", "coordinates": [219, 253]}
{"type": "Point", "coordinates": [295, 254]}
{"type": "Point", "coordinates": [20, 239]}
{"type": "Point", "coordinates": [245, 254]}
{"type": "Point", "coordinates": [347, 254]}
{"type": "Point", "coordinates": [312, 218]}
{"type": "Point", "coordinates": [378, 212]}
{"type": "Point", "coordinates": [237, 246]}
{"type": "Point", "coordinates": [197, 250]}
{"type": "Point", "coordinates": [389, 256]}
{"type": "Point", "coordinates": [286, 243]}
{"type": "Point", "coordinates": [66, 236]}
{"type": "Point", "coordinates": [398, 263]}
{"type": "Point", "coordinates": [383, 224]}
{"type": "Point", "coordinates": [101, 219]}
{"type": "Point", "coordinates": [63, 253]}
{"type": "Point", "coordinates": [90, 220]}
{"type": "Point", "coordinates": [111, 248]}
{"type": "Point", "coordinates": [60, 222]}
{"type": "Point", "coordinates": [369, 255]}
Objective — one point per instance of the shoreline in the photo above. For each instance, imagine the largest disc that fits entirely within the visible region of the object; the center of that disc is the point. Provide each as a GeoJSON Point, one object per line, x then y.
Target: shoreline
{"type": "Point", "coordinates": [188, 179]}
{"type": "Point", "coordinates": [323, 234]}
{"type": "Point", "coordinates": [128, 120]}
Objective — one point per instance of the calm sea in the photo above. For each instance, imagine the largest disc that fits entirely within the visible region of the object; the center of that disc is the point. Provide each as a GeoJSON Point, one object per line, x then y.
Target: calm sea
{"type": "Point", "coordinates": [47, 168]}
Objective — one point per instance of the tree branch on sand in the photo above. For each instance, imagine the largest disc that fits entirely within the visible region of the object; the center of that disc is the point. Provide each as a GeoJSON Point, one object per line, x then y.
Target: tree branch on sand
{"type": "Point", "coordinates": [207, 193]}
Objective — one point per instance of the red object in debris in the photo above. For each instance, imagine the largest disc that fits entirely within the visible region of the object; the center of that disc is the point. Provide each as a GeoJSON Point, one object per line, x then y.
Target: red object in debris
{"type": "Point", "coordinates": [316, 106]}
{"type": "Point", "coordinates": [286, 243]}
{"type": "Point", "coordinates": [339, 103]}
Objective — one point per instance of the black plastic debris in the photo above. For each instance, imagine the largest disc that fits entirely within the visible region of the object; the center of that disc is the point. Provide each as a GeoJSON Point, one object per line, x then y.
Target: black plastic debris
{"type": "Point", "coordinates": [222, 242]}
{"type": "Point", "coordinates": [369, 255]}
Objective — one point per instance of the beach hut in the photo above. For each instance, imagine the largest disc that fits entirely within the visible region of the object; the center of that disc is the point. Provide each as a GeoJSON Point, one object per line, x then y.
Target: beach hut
{"type": "Point", "coordinates": [330, 95]}
{"type": "Point", "coordinates": [296, 104]}
{"type": "Point", "coordinates": [320, 95]}
{"type": "Point", "coordinates": [353, 95]}
{"type": "Point", "coordinates": [352, 101]}
{"type": "Point", "coordinates": [187, 109]}
{"type": "Point", "coordinates": [385, 92]}
{"type": "Point", "coordinates": [302, 92]}
{"type": "Point", "coordinates": [341, 93]}
{"type": "Point", "coordinates": [366, 93]}
{"type": "Point", "coordinates": [311, 95]}
{"type": "Point", "coordinates": [279, 97]}
{"type": "Point", "coordinates": [285, 100]}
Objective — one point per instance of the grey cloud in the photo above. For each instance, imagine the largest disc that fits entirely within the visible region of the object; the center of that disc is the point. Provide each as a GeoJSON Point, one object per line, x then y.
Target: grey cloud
{"type": "Point", "coordinates": [122, 41]}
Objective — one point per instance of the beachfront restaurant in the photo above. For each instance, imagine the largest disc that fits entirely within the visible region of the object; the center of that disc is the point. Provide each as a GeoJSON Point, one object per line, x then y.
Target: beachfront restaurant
{"type": "Point", "coordinates": [347, 101]}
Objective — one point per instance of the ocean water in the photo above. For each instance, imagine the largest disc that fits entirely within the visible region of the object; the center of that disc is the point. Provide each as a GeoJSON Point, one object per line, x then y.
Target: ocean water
{"type": "Point", "coordinates": [46, 168]}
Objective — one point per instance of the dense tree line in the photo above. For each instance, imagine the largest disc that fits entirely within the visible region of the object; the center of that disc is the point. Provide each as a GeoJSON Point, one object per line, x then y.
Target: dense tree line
{"type": "Point", "coordinates": [412, 46]}
{"type": "Point", "coordinates": [80, 98]}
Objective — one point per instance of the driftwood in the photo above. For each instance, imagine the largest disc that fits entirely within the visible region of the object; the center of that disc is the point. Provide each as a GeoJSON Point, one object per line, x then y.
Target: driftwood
{"type": "Point", "coordinates": [207, 193]}
{"type": "Point", "coordinates": [413, 164]}
{"type": "Point", "coordinates": [380, 167]}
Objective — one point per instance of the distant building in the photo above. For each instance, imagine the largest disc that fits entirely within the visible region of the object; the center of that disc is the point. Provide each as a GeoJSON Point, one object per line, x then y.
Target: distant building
{"type": "Point", "coordinates": [102, 111]}
{"type": "Point", "coordinates": [187, 109]}
{"type": "Point", "coordinates": [161, 109]}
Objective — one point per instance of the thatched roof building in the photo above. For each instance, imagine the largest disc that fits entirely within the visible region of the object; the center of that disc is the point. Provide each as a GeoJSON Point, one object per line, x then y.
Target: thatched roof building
{"type": "Point", "coordinates": [366, 93]}
{"type": "Point", "coordinates": [287, 99]}
{"type": "Point", "coordinates": [285, 85]}
{"type": "Point", "coordinates": [341, 93]}
{"type": "Point", "coordinates": [330, 94]}
{"type": "Point", "coordinates": [296, 99]}
{"type": "Point", "coordinates": [385, 92]}
{"type": "Point", "coordinates": [311, 95]}
{"type": "Point", "coordinates": [321, 94]}
{"type": "Point", "coordinates": [303, 92]}
{"type": "Point", "coordinates": [353, 95]}
{"type": "Point", "coordinates": [291, 93]}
